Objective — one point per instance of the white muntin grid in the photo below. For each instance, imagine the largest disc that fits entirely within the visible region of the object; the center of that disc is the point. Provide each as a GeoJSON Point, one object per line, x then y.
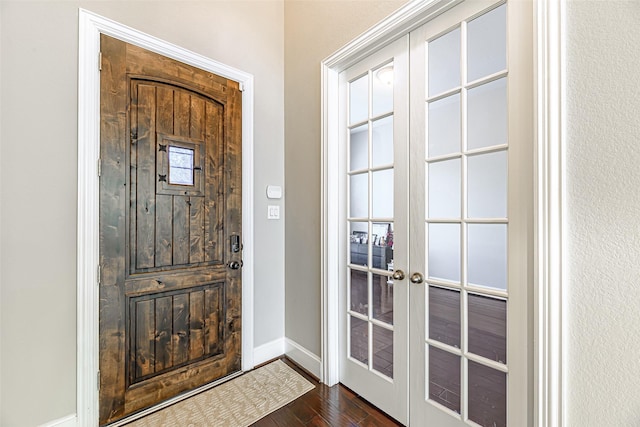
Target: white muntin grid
{"type": "Point", "coordinates": [371, 272]}
{"type": "Point", "coordinates": [462, 286]}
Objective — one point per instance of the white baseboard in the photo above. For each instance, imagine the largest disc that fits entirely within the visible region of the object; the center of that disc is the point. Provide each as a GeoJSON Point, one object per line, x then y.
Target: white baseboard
{"type": "Point", "coordinates": [268, 351]}
{"type": "Point", "coordinates": [68, 421]}
{"type": "Point", "coordinates": [303, 357]}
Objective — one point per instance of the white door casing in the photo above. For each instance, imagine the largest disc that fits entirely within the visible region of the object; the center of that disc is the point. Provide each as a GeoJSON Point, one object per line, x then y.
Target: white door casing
{"type": "Point", "coordinates": [548, 187]}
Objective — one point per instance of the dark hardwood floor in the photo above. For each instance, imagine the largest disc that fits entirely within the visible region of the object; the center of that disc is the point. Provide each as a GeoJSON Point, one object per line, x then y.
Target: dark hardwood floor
{"type": "Point", "coordinates": [334, 406]}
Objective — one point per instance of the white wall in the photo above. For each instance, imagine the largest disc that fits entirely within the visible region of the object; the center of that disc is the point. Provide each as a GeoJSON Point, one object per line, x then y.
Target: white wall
{"type": "Point", "coordinates": [38, 142]}
{"type": "Point", "coordinates": [603, 210]}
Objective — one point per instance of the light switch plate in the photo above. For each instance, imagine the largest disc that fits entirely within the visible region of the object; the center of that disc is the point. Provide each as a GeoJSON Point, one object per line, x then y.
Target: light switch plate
{"type": "Point", "coordinates": [273, 212]}
{"type": "Point", "coordinates": [274, 192]}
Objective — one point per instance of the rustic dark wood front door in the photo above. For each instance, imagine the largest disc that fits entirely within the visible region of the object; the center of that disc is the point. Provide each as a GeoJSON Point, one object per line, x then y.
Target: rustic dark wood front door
{"type": "Point", "coordinates": [170, 228]}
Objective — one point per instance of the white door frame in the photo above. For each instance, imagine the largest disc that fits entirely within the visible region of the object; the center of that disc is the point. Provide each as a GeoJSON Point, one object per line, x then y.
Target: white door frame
{"type": "Point", "coordinates": [90, 28]}
{"type": "Point", "coordinates": [550, 194]}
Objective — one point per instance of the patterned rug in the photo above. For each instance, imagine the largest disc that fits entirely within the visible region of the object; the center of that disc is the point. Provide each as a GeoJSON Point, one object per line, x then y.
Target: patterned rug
{"type": "Point", "coordinates": [236, 403]}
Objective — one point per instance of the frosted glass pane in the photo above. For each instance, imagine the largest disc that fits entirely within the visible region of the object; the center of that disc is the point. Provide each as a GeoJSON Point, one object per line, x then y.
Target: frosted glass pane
{"type": "Point", "coordinates": [444, 189]}
{"type": "Point", "coordinates": [382, 99]}
{"type": "Point", "coordinates": [444, 378]}
{"type": "Point", "coordinates": [359, 195]}
{"type": "Point", "coordinates": [444, 316]}
{"type": "Point", "coordinates": [444, 251]}
{"type": "Point", "coordinates": [359, 100]}
{"type": "Point", "coordinates": [488, 327]}
{"type": "Point", "coordinates": [382, 194]}
{"type": "Point", "coordinates": [487, 185]}
{"type": "Point", "coordinates": [487, 115]}
{"type": "Point", "coordinates": [487, 255]}
{"type": "Point", "coordinates": [444, 126]}
{"type": "Point", "coordinates": [487, 44]}
{"type": "Point", "coordinates": [180, 165]}
{"type": "Point", "coordinates": [444, 62]}
{"type": "Point", "coordinates": [359, 148]}
{"type": "Point", "coordinates": [382, 139]}
{"type": "Point", "coordinates": [487, 396]}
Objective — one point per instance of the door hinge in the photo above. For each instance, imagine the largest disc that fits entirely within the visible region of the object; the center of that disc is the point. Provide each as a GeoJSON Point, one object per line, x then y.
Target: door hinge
{"type": "Point", "coordinates": [100, 61]}
{"type": "Point", "coordinates": [241, 86]}
{"type": "Point", "coordinates": [98, 381]}
{"type": "Point", "coordinates": [99, 167]}
{"type": "Point", "coordinates": [99, 274]}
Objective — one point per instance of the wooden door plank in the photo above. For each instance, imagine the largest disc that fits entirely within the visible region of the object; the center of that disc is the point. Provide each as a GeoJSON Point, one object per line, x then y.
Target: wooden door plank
{"type": "Point", "coordinates": [113, 197]}
{"type": "Point", "coordinates": [163, 333]}
{"type": "Point", "coordinates": [181, 230]}
{"type": "Point", "coordinates": [233, 220]}
{"type": "Point", "coordinates": [212, 320]}
{"type": "Point", "coordinates": [146, 178]}
{"type": "Point", "coordinates": [196, 230]}
{"type": "Point", "coordinates": [213, 183]}
{"type": "Point", "coordinates": [197, 118]}
{"type": "Point", "coordinates": [145, 338]}
{"type": "Point", "coordinates": [164, 110]}
{"type": "Point", "coordinates": [164, 230]}
{"type": "Point", "coordinates": [180, 337]}
{"type": "Point", "coordinates": [196, 325]}
{"type": "Point", "coordinates": [182, 114]}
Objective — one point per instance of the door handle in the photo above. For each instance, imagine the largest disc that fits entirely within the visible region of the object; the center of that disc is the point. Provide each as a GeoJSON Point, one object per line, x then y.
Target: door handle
{"type": "Point", "coordinates": [416, 278]}
{"type": "Point", "coordinates": [234, 265]}
{"type": "Point", "coordinates": [398, 275]}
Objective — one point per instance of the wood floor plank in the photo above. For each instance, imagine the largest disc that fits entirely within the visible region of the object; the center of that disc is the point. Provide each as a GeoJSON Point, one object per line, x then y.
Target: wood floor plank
{"type": "Point", "coordinates": [326, 406]}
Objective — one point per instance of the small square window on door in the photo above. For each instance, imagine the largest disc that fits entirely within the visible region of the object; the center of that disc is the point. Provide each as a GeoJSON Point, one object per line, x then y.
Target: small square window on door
{"type": "Point", "coordinates": [179, 166]}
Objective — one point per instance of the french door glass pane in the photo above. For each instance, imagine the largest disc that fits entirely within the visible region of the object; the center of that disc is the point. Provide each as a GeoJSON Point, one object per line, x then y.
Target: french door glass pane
{"type": "Point", "coordinates": [444, 252]}
{"type": "Point", "coordinates": [444, 189]}
{"type": "Point", "coordinates": [487, 396]}
{"type": "Point", "coordinates": [444, 62]}
{"type": "Point", "coordinates": [359, 195]}
{"type": "Point", "coordinates": [358, 243]}
{"type": "Point", "coordinates": [359, 339]}
{"type": "Point", "coordinates": [487, 185]}
{"type": "Point", "coordinates": [382, 193]}
{"type": "Point", "coordinates": [444, 316]}
{"type": "Point", "coordinates": [487, 115]}
{"type": "Point", "coordinates": [444, 378]}
{"type": "Point", "coordinates": [359, 148]}
{"type": "Point", "coordinates": [487, 44]}
{"type": "Point", "coordinates": [359, 294]}
{"type": "Point", "coordinates": [382, 140]}
{"type": "Point", "coordinates": [382, 289]}
{"type": "Point", "coordinates": [488, 327]}
{"type": "Point", "coordinates": [383, 350]}
{"type": "Point", "coordinates": [487, 255]}
{"type": "Point", "coordinates": [443, 126]}
{"type": "Point", "coordinates": [382, 97]}
{"type": "Point", "coordinates": [359, 100]}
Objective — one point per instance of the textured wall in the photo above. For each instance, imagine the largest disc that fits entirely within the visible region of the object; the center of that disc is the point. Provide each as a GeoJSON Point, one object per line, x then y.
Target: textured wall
{"type": "Point", "coordinates": [38, 141]}
{"type": "Point", "coordinates": [603, 213]}
{"type": "Point", "coordinates": [314, 29]}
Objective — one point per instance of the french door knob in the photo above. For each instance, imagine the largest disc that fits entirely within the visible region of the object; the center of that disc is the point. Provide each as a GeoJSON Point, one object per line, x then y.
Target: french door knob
{"type": "Point", "coordinates": [416, 278]}
{"type": "Point", "coordinates": [398, 275]}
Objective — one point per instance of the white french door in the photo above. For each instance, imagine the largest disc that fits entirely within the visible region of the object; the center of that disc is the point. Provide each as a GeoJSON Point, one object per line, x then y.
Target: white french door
{"type": "Point", "coordinates": [439, 179]}
{"type": "Point", "coordinates": [374, 317]}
